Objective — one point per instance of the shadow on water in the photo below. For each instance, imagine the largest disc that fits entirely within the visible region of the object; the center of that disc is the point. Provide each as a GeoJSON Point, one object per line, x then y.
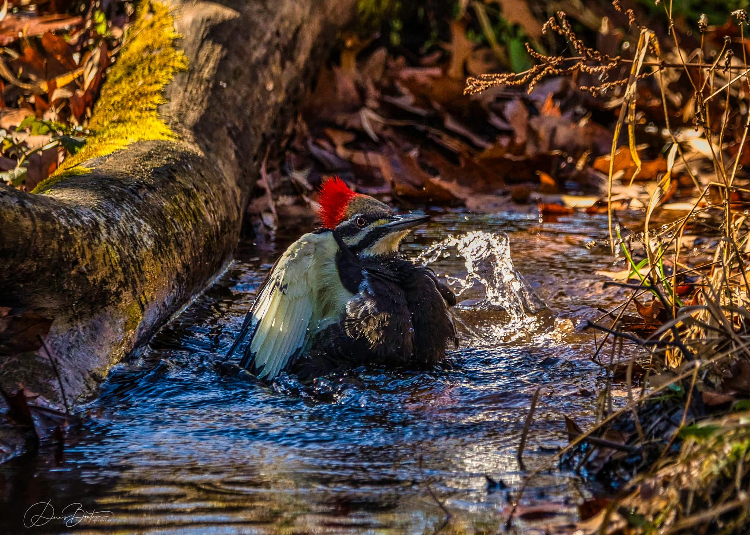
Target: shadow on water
{"type": "Point", "coordinates": [172, 445]}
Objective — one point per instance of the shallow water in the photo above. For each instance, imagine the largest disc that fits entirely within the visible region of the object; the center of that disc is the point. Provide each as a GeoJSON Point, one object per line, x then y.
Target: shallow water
{"type": "Point", "coordinates": [173, 445]}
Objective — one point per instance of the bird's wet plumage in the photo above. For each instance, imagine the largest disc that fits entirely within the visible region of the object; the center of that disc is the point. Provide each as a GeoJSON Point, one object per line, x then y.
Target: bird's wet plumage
{"type": "Point", "coordinates": [342, 297]}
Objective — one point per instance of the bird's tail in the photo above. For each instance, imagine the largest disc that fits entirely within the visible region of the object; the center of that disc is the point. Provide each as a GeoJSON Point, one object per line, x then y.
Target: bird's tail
{"type": "Point", "coordinates": [241, 336]}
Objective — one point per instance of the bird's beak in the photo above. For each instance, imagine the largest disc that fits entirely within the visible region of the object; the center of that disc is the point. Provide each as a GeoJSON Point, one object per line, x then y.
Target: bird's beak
{"type": "Point", "coordinates": [404, 222]}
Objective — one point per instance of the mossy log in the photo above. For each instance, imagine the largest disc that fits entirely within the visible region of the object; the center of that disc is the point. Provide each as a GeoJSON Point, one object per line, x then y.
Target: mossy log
{"type": "Point", "coordinates": [107, 250]}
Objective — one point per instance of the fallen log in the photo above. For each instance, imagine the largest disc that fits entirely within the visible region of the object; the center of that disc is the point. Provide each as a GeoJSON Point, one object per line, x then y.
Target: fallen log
{"type": "Point", "coordinates": [103, 253]}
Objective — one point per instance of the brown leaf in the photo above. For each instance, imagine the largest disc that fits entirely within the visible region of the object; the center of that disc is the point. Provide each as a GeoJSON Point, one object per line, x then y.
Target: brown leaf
{"type": "Point", "coordinates": [470, 173]}
{"type": "Point", "coordinates": [740, 380]}
{"type": "Point", "coordinates": [481, 61]}
{"type": "Point", "coordinates": [520, 194]}
{"type": "Point", "coordinates": [12, 118]}
{"type": "Point", "coordinates": [623, 161]}
{"type": "Point", "coordinates": [550, 108]}
{"type": "Point", "coordinates": [19, 333]}
{"type": "Point", "coordinates": [518, 12]}
{"type": "Point", "coordinates": [13, 25]}
{"type": "Point", "coordinates": [669, 193]}
{"type": "Point", "coordinates": [548, 184]}
{"type": "Point", "coordinates": [410, 181]}
{"type": "Point", "coordinates": [334, 92]}
{"type": "Point", "coordinates": [572, 428]}
{"type": "Point", "coordinates": [374, 68]}
{"type": "Point", "coordinates": [42, 165]}
{"type": "Point", "coordinates": [460, 48]}
{"type": "Point", "coordinates": [59, 49]}
{"type": "Point", "coordinates": [591, 508]}
{"type": "Point", "coordinates": [452, 124]}
{"type": "Point", "coordinates": [650, 169]}
{"type": "Point", "coordinates": [339, 139]}
{"type": "Point", "coordinates": [554, 209]}
{"type": "Point", "coordinates": [654, 312]}
{"type": "Point", "coordinates": [684, 289]}
{"type": "Point", "coordinates": [31, 64]}
{"type": "Point", "coordinates": [518, 117]}
{"type": "Point", "coordinates": [714, 399]}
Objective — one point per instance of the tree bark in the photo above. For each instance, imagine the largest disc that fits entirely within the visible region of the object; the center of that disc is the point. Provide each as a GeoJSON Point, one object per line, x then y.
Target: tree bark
{"type": "Point", "coordinates": [97, 262]}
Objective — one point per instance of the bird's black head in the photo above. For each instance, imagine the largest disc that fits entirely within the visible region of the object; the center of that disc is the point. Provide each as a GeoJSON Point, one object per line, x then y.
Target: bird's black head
{"type": "Point", "coordinates": [366, 226]}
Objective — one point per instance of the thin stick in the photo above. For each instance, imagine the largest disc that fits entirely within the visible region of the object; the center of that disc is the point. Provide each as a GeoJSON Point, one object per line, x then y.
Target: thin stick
{"type": "Point", "coordinates": [526, 426]}
{"type": "Point", "coordinates": [448, 514]}
{"type": "Point", "coordinates": [57, 373]}
{"type": "Point", "coordinates": [267, 183]}
{"type": "Point", "coordinates": [725, 86]}
{"type": "Point", "coordinates": [609, 444]}
{"type": "Point", "coordinates": [708, 515]}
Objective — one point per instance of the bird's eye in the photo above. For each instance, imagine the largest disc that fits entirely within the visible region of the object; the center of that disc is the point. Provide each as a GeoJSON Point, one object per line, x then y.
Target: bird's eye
{"type": "Point", "coordinates": [361, 222]}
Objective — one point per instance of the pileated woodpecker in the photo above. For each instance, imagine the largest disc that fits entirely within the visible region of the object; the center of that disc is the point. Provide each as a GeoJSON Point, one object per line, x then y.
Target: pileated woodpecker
{"type": "Point", "coordinates": [342, 296]}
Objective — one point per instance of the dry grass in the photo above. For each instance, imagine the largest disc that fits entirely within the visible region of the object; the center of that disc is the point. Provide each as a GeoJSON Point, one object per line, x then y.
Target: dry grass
{"type": "Point", "coordinates": [700, 341]}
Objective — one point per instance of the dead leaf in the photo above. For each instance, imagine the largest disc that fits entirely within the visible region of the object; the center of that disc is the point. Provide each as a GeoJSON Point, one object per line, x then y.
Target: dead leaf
{"type": "Point", "coordinates": [520, 194]}
{"type": "Point", "coordinates": [13, 25]}
{"type": "Point", "coordinates": [740, 380]}
{"type": "Point", "coordinates": [59, 49]}
{"type": "Point", "coordinates": [19, 333]}
{"type": "Point", "coordinates": [339, 139]}
{"type": "Point", "coordinates": [12, 118]}
{"type": "Point", "coordinates": [31, 64]}
{"type": "Point", "coordinates": [374, 67]}
{"type": "Point", "coordinates": [452, 124]}
{"type": "Point", "coordinates": [575, 201]}
{"type": "Point", "coordinates": [42, 165]}
{"type": "Point", "coordinates": [460, 48]}
{"type": "Point", "coordinates": [554, 209]}
{"type": "Point", "coordinates": [600, 206]}
{"type": "Point", "coordinates": [549, 108]}
{"type": "Point", "coordinates": [481, 61]}
{"type": "Point", "coordinates": [518, 117]}
{"type": "Point", "coordinates": [518, 12]}
{"type": "Point", "coordinates": [654, 312]}
{"type": "Point", "coordinates": [591, 508]}
{"type": "Point", "coordinates": [410, 181]}
{"type": "Point", "coordinates": [623, 161]}
{"type": "Point", "coordinates": [573, 429]}
{"type": "Point", "coordinates": [470, 173]}
{"type": "Point", "coordinates": [547, 183]}
{"type": "Point", "coordinates": [714, 399]}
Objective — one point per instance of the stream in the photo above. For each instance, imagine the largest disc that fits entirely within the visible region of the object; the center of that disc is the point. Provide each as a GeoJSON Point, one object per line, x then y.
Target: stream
{"type": "Point", "coordinates": [174, 445]}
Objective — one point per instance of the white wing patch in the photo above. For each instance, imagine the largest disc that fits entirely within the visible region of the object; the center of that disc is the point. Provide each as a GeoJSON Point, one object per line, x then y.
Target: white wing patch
{"type": "Point", "coordinates": [302, 292]}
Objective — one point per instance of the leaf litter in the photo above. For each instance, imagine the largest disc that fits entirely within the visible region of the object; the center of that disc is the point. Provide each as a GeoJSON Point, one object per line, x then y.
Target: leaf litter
{"type": "Point", "coordinates": [53, 60]}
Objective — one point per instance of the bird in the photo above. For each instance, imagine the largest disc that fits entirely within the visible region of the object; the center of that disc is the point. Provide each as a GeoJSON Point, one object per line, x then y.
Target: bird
{"type": "Point", "coordinates": [342, 297]}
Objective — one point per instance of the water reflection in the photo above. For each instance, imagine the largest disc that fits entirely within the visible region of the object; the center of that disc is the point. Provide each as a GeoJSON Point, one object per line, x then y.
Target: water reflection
{"type": "Point", "coordinates": [173, 445]}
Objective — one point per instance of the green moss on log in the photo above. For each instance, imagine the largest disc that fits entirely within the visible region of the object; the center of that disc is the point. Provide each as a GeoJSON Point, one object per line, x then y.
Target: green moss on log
{"type": "Point", "coordinates": [127, 110]}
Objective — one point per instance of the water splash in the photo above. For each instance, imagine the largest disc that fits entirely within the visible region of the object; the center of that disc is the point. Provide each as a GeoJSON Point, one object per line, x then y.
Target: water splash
{"type": "Point", "coordinates": [498, 305]}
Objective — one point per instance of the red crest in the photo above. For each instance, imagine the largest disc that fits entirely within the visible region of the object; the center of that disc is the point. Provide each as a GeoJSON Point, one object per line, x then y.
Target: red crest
{"type": "Point", "coordinates": [334, 198]}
